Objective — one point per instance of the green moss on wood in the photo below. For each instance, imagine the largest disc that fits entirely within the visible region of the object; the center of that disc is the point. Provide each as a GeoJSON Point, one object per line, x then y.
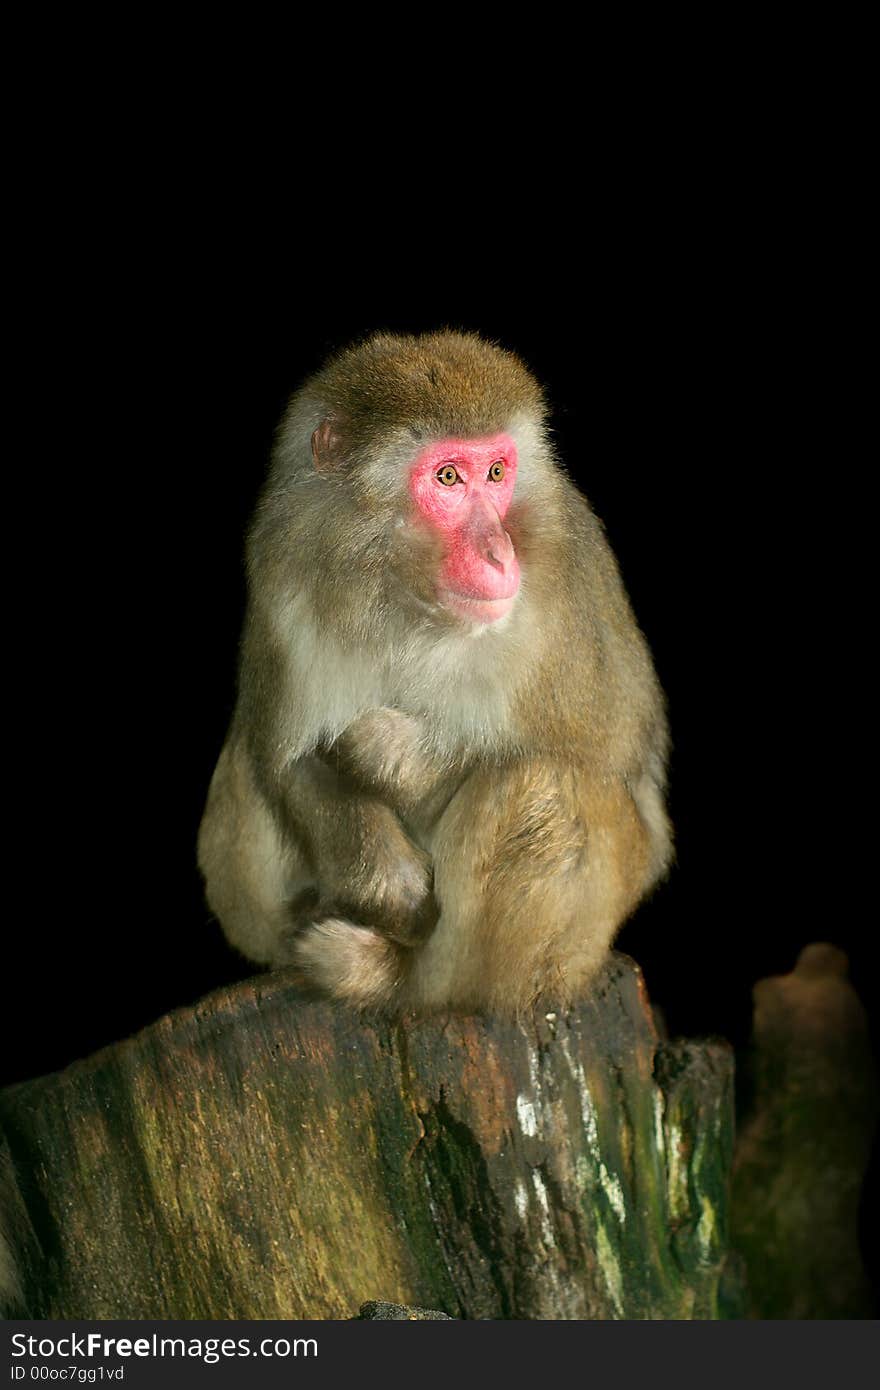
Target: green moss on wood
{"type": "Point", "coordinates": [259, 1156]}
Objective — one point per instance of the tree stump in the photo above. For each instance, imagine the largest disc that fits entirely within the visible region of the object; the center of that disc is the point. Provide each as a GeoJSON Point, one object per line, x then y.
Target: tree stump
{"type": "Point", "coordinates": [261, 1156]}
{"type": "Point", "coordinates": [803, 1152]}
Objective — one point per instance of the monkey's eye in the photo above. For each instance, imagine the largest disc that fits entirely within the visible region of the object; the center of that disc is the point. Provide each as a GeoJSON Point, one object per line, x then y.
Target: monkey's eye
{"type": "Point", "coordinates": [496, 472]}
{"type": "Point", "coordinates": [447, 475]}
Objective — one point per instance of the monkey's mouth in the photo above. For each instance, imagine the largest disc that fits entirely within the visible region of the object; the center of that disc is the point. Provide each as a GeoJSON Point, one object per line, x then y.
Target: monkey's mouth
{"type": "Point", "coordinates": [476, 610]}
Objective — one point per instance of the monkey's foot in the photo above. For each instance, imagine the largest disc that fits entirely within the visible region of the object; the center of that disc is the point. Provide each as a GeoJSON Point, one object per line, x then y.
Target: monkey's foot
{"type": "Point", "coordinates": [348, 962]}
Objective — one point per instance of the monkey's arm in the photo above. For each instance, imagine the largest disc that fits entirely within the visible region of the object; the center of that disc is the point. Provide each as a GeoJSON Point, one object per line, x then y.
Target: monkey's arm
{"type": "Point", "coordinates": [277, 850]}
{"type": "Point", "coordinates": [383, 753]}
{"type": "Point", "coordinates": [365, 865]}
{"type": "Point", "coordinates": [536, 864]}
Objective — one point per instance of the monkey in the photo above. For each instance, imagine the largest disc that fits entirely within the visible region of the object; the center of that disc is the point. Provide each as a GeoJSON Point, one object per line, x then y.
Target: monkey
{"type": "Point", "coordinates": [443, 785]}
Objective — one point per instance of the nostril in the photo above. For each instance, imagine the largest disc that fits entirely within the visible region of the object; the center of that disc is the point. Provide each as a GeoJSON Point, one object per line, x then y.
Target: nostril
{"type": "Point", "coordinates": [499, 551]}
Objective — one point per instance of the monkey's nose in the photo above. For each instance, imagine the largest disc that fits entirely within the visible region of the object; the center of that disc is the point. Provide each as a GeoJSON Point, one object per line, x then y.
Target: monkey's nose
{"type": "Point", "coordinates": [498, 549]}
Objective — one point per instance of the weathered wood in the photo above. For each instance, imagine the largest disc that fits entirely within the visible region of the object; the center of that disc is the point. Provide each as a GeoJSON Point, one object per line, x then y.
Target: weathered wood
{"type": "Point", "coordinates": [18, 1242]}
{"type": "Point", "coordinates": [804, 1149]}
{"type": "Point", "coordinates": [259, 1156]}
{"type": "Point", "coordinates": [397, 1312]}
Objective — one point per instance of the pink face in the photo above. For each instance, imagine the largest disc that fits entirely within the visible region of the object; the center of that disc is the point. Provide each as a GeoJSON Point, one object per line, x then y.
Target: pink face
{"type": "Point", "coordinates": [462, 488]}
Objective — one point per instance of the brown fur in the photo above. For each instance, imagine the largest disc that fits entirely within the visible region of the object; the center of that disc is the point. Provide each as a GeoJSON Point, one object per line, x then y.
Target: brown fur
{"type": "Point", "coordinates": [419, 816]}
{"type": "Point", "coordinates": [438, 385]}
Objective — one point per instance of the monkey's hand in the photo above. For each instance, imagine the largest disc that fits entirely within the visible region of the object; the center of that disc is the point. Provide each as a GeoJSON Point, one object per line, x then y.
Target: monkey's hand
{"type": "Point", "coordinates": [357, 859]}
{"type": "Point", "coordinates": [383, 753]}
{"type": "Point", "coordinates": [387, 881]}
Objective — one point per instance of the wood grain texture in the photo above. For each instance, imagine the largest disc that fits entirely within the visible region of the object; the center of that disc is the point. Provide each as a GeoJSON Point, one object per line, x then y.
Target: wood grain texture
{"type": "Point", "coordinates": [805, 1144]}
{"type": "Point", "coordinates": [261, 1156]}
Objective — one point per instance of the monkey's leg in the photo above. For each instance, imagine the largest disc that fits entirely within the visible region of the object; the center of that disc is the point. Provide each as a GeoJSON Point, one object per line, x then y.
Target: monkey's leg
{"type": "Point", "coordinates": [536, 866]}
{"type": "Point", "coordinates": [326, 851]}
{"type": "Point", "coordinates": [253, 872]}
{"type": "Point", "coordinates": [534, 869]}
{"type": "Point", "coordinates": [367, 868]}
{"type": "Point", "coordinates": [347, 961]}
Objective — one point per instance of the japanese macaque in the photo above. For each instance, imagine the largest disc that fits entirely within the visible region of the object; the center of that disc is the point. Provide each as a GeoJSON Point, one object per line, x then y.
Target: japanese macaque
{"type": "Point", "coordinates": [443, 785]}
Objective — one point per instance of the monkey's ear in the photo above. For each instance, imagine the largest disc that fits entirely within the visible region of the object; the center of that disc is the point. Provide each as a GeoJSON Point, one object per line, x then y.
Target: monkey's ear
{"type": "Point", "coordinates": [326, 446]}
